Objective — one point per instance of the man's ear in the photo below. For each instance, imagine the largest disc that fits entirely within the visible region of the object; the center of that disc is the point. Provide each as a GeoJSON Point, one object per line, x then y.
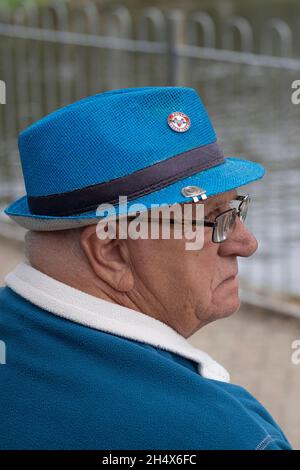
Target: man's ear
{"type": "Point", "coordinates": [108, 258]}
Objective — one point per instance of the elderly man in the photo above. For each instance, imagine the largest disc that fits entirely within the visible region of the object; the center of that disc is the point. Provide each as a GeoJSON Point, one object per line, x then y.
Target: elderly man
{"type": "Point", "coordinates": [95, 327]}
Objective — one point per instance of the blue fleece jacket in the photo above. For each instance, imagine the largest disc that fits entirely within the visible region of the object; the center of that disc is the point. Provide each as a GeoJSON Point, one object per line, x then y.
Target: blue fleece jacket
{"type": "Point", "coordinates": [69, 386]}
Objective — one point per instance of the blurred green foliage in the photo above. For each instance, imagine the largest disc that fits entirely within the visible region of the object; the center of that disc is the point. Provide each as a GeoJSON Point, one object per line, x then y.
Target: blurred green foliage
{"type": "Point", "coordinates": [17, 3]}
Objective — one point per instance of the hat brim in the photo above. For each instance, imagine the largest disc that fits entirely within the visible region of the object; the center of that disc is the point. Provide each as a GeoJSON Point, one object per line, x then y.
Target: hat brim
{"type": "Point", "coordinates": [231, 174]}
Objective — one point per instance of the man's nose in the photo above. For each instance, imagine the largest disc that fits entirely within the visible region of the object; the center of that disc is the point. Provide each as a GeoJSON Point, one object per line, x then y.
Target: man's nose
{"type": "Point", "coordinates": [241, 242]}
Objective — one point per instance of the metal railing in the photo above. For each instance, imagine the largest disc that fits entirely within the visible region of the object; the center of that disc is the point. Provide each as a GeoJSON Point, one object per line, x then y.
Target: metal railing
{"type": "Point", "coordinates": [53, 56]}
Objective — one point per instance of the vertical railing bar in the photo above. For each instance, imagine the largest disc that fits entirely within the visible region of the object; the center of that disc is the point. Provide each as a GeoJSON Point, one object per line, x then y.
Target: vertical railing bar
{"type": "Point", "coordinates": [284, 33]}
{"type": "Point", "coordinates": [35, 97]}
{"type": "Point", "coordinates": [22, 74]}
{"type": "Point", "coordinates": [91, 13]}
{"type": "Point", "coordinates": [155, 16]}
{"type": "Point", "coordinates": [174, 39]}
{"type": "Point", "coordinates": [119, 64]}
{"type": "Point", "coordinates": [245, 31]}
{"type": "Point", "coordinates": [62, 17]}
{"type": "Point", "coordinates": [48, 53]}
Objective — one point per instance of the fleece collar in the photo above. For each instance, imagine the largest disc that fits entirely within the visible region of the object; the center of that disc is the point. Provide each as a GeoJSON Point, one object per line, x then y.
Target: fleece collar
{"type": "Point", "coordinates": [77, 306]}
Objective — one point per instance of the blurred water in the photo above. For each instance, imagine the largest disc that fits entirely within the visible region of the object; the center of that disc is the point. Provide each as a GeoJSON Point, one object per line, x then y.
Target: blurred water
{"type": "Point", "coordinates": [255, 119]}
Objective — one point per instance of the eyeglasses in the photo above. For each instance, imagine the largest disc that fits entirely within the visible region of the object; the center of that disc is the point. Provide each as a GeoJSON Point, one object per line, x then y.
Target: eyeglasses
{"type": "Point", "coordinates": [223, 224]}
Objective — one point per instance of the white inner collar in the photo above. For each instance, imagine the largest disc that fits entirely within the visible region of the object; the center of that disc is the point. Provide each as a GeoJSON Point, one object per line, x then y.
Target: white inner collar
{"type": "Point", "coordinates": [65, 301]}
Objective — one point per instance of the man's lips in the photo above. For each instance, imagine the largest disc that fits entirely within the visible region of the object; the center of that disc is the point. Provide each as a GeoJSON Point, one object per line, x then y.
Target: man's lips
{"type": "Point", "coordinates": [233, 277]}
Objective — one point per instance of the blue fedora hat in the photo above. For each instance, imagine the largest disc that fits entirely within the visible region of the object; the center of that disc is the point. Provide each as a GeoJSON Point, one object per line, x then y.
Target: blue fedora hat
{"type": "Point", "coordinates": [145, 143]}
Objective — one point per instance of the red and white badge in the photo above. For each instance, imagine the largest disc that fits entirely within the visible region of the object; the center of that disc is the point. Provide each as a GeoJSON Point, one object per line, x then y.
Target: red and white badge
{"type": "Point", "coordinates": [179, 122]}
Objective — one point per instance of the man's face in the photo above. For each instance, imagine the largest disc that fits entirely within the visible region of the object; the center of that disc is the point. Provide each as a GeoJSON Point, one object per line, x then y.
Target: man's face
{"type": "Point", "coordinates": [185, 288]}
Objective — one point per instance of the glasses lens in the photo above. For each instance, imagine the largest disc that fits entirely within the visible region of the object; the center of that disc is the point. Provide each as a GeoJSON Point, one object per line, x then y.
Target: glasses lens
{"type": "Point", "coordinates": [243, 209]}
{"type": "Point", "coordinates": [224, 227]}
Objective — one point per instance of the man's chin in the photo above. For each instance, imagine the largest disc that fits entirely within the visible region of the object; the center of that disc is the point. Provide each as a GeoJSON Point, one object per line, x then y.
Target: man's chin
{"type": "Point", "coordinates": [230, 306]}
{"type": "Point", "coordinates": [221, 309]}
{"type": "Point", "coordinates": [227, 295]}
{"type": "Point", "coordinates": [226, 299]}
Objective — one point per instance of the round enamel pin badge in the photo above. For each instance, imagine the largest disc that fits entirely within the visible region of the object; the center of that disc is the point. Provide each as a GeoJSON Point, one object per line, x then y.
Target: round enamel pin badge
{"type": "Point", "coordinates": [179, 122]}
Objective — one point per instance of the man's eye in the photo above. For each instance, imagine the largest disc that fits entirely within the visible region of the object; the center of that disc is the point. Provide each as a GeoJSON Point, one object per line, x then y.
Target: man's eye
{"type": "Point", "coordinates": [209, 215]}
{"type": "Point", "coordinates": [215, 212]}
{"type": "Point", "coordinates": [218, 210]}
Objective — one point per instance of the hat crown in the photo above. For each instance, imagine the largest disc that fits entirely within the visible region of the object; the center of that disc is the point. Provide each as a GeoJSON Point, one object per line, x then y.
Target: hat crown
{"type": "Point", "coordinates": [109, 135]}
